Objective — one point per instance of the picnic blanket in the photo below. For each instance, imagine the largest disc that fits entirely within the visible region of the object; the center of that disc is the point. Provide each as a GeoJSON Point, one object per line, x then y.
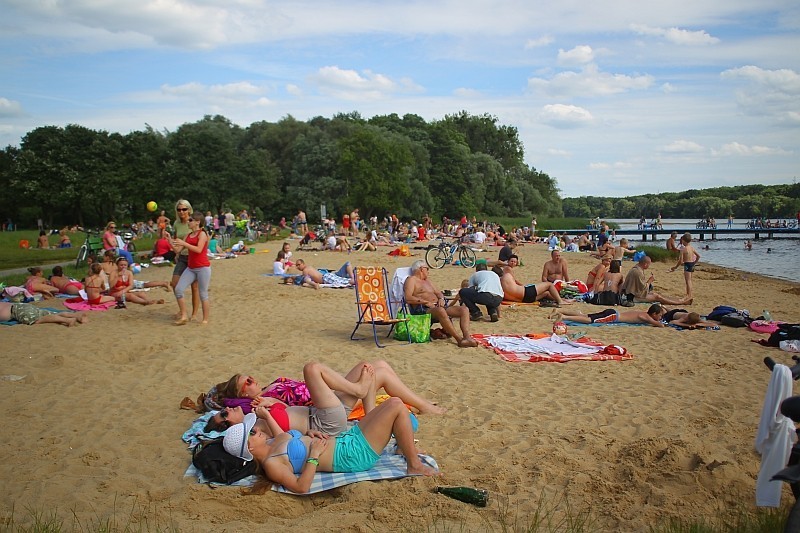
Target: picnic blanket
{"type": "Point", "coordinates": [543, 347]}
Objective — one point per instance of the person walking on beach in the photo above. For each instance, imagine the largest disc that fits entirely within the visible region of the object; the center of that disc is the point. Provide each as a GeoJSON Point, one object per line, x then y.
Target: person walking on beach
{"type": "Point", "coordinates": [688, 257]}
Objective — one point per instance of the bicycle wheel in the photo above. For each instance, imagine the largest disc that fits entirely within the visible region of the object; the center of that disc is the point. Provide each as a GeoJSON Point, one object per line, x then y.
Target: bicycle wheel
{"type": "Point", "coordinates": [131, 247]}
{"type": "Point", "coordinates": [436, 257]}
{"type": "Point", "coordinates": [467, 257]}
{"type": "Point", "coordinates": [83, 251]}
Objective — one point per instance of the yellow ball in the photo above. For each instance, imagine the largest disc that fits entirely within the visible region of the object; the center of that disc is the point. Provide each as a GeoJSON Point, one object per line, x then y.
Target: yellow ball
{"type": "Point", "coordinates": [152, 206]}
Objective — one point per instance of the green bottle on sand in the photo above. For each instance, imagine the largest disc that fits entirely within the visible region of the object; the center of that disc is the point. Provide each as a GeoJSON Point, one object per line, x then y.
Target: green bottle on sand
{"type": "Point", "coordinates": [478, 497]}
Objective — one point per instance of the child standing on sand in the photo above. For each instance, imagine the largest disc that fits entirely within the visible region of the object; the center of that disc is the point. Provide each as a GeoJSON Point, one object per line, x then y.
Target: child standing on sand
{"type": "Point", "coordinates": [688, 257]}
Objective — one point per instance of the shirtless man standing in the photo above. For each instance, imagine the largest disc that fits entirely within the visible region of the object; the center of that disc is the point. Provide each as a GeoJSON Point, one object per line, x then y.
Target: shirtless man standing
{"type": "Point", "coordinates": [514, 291]}
{"type": "Point", "coordinates": [422, 297]}
{"type": "Point", "coordinates": [302, 223]}
{"type": "Point", "coordinates": [556, 268]}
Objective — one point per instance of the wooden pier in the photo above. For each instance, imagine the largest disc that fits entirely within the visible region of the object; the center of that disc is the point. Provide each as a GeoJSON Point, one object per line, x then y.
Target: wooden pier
{"type": "Point", "coordinates": [702, 233]}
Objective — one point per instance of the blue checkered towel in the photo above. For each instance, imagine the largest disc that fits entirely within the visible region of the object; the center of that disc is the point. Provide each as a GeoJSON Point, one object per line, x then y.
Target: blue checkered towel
{"type": "Point", "coordinates": [389, 466]}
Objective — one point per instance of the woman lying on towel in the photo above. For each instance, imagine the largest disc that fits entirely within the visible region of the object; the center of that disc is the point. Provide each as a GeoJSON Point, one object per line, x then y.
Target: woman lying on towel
{"type": "Point", "coordinates": [329, 413]}
{"type": "Point", "coordinates": [608, 316]}
{"type": "Point", "coordinates": [292, 459]}
{"type": "Point", "coordinates": [242, 386]}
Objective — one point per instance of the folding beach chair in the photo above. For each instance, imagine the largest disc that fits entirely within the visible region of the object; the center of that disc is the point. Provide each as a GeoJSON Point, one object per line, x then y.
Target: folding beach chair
{"type": "Point", "coordinates": [373, 303]}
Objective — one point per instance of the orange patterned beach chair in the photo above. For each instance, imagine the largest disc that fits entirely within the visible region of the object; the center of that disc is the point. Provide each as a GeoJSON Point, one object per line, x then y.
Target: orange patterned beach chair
{"type": "Point", "coordinates": [373, 303]}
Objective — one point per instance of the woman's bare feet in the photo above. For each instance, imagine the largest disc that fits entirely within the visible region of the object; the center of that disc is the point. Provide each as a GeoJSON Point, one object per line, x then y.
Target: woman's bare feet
{"type": "Point", "coordinates": [365, 381]}
{"type": "Point", "coordinates": [182, 321]}
{"type": "Point", "coordinates": [555, 315]}
{"type": "Point", "coordinates": [421, 470]}
{"type": "Point", "coordinates": [82, 318]}
{"type": "Point", "coordinates": [432, 409]}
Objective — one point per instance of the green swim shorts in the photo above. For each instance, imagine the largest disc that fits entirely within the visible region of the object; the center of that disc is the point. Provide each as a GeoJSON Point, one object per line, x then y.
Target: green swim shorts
{"type": "Point", "coordinates": [27, 313]}
{"type": "Point", "coordinates": [353, 453]}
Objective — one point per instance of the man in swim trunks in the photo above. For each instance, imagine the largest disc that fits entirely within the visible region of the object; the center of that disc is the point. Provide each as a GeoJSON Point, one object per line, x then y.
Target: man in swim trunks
{"type": "Point", "coordinates": [29, 314]}
{"type": "Point", "coordinates": [688, 256]}
{"type": "Point", "coordinates": [514, 291]}
{"type": "Point", "coordinates": [609, 316]}
{"type": "Point", "coordinates": [556, 268]}
{"type": "Point", "coordinates": [422, 297]}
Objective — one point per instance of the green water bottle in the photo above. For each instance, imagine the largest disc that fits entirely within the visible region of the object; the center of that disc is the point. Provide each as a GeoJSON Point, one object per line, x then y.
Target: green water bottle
{"type": "Point", "coordinates": [478, 497]}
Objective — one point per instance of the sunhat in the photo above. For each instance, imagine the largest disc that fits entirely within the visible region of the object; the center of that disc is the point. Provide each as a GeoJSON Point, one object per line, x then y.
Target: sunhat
{"type": "Point", "coordinates": [235, 441]}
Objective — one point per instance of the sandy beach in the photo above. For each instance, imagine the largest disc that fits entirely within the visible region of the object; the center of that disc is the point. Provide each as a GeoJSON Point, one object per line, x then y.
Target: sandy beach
{"type": "Point", "coordinates": [95, 425]}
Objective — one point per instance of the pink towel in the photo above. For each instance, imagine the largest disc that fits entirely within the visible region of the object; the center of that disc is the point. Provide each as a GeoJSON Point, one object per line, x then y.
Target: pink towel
{"type": "Point", "coordinates": [85, 306]}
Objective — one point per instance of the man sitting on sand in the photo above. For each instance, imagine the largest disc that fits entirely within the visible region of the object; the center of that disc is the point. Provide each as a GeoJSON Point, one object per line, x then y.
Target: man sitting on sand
{"type": "Point", "coordinates": [514, 291]}
{"type": "Point", "coordinates": [639, 288]}
{"type": "Point", "coordinates": [29, 314]}
{"type": "Point", "coordinates": [422, 297]}
{"type": "Point", "coordinates": [610, 316]}
{"type": "Point", "coordinates": [343, 276]}
{"type": "Point", "coordinates": [556, 268]}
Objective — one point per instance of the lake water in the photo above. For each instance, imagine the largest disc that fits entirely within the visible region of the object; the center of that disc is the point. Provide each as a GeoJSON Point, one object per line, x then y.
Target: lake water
{"type": "Point", "coordinates": [777, 258]}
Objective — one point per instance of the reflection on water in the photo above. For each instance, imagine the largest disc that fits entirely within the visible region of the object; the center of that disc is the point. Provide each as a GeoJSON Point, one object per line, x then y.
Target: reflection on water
{"type": "Point", "coordinates": [771, 257]}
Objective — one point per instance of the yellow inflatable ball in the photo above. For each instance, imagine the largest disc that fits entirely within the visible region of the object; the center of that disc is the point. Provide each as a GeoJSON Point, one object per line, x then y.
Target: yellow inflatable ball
{"type": "Point", "coordinates": [152, 206]}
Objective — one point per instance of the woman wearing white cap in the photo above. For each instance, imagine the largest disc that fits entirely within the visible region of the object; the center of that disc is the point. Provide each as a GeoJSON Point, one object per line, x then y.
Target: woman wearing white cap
{"type": "Point", "coordinates": [292, 459]}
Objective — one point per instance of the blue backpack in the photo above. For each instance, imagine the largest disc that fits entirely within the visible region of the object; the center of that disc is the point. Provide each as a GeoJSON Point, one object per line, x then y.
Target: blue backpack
{"type": "Point", "coordinates": [720, 311]}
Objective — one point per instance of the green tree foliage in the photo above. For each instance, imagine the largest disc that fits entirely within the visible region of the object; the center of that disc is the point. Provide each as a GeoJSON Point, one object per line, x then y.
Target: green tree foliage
{"type": "Point", "coordinates": [462, 164]}
{"type": "Point", "coordinates": [745, 201]}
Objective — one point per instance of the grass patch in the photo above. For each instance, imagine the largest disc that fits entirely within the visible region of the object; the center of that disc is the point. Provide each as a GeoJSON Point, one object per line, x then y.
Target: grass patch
{"type": "Point", "coordinates": [659, 253]}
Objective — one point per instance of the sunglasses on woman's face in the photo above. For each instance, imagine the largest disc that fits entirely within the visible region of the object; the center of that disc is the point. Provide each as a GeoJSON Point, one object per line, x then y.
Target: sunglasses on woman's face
{"type": "Point", "coordinates": [182, 209]}
{"type": "Point", "coordinates": [252, 432]}
{"type": "Point", "coordinates": [247, 382]}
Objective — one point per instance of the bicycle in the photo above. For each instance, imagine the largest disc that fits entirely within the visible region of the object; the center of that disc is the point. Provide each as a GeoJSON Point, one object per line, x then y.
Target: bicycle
{"type": "Point", "coordinates": [443, 254]}
{"type": "Point", "coordinates": [91, 245]}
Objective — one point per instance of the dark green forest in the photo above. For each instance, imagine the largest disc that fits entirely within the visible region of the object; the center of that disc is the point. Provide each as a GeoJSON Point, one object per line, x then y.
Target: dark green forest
{"type": "Point", "coordinates": [743, 201]}
{"type": "Point", "coordinates": [461, 164]}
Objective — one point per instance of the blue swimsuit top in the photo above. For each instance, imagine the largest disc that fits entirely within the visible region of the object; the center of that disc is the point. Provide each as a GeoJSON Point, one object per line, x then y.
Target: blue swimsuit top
{"type": "Point", "coordinates": [295, 450]}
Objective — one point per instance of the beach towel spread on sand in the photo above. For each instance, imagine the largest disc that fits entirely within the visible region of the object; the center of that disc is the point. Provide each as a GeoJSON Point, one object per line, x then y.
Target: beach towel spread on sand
{"type": "Point", "coordinates": [542, 347]}
{"type": "Point", "coordinates": [389, 466]}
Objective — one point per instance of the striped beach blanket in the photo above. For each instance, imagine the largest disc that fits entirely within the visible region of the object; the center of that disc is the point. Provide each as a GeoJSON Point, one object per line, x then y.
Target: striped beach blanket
{"type": "Point", "coordinates": [542, 347]}
{"type": "Point", "coordinates": [389, 466]}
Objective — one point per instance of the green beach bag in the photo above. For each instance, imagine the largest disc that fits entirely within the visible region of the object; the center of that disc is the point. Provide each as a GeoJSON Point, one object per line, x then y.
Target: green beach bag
{"type": "Point", "coordinates": [418, 325]}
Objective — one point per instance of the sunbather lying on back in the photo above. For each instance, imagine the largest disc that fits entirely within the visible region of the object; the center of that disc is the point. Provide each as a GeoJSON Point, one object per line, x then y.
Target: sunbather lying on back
{"type": "Point", "coordinates": [245, 386]}
{"type": "Point", "coordinates": [610, 316]}
{"type": "Point", "coordinates": [685, 319]}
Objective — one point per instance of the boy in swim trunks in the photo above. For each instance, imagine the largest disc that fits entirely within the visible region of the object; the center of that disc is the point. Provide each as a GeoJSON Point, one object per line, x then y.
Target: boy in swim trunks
{"type": "Point", "coordinates": [609, 316]}
{"type": "Point", "coordinates": [688, 257]}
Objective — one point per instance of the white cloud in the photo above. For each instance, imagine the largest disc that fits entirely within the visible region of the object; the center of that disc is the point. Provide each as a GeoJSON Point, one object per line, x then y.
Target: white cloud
{"type": "Point", "coordinates": [770, 93]}
{"type": "Point", "coordinates": [607, 166]}
{"type": "Point", "coordinates": [294, 90]}
{"type": "Point", "coordinates": [10, 108]}
{"type": "Point", "coordinates": [565, 116]}
{"type": "Point", "coordinates": [229, 94]}
{"type": "Point", "coordinates": [683, 147]}
{"type": "Point", "coordinates": [538, 43]}
{"type": "Point", "coordinates": [580, 55]}
{"type": "Point", "coordinates": [463, 92]}
{"type": "Point", "coordinates": [352, 85]}
{"type": "Point", "coordinates": [736, 148]}
{"type": "Point", "coordinates": [676, 35]}
{"type": "Point", "coordinates": [589, 82]}
{"type": "Point", "coordinates": [558, 152]}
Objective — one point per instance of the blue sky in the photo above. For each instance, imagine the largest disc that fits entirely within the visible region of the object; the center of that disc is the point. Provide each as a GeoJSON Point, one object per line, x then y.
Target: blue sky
{"type": "Point", "coordinates": [610, 97]}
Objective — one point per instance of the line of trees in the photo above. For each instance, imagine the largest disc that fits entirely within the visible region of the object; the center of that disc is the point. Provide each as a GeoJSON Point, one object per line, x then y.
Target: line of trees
{"type": "Point", "coordinates": [462, 164]}
{"type": "Point", "coordinates": [743, 201]}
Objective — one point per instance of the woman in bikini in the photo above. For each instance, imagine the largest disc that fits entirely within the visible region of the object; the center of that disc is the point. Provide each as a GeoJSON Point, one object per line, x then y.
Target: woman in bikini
{"type": "Point", "coordinates": [94, 285]}
{"type": "Point", "coordinates": [292, 459]}
{"type": "Point", "coordinates": [36, 284]}
{"type": "Point", "coordinates": [244, 391]}
{"type": "Point", "coordinates": [64, 284]}
{"type": "Point", "coordinates": [598, 271]}
{"type": "Point", "coordinates": [122, 283]}
{"type": "Point", "coordinates": [198, 267]}
{"type": "Point", "coordinates": [329, 413]}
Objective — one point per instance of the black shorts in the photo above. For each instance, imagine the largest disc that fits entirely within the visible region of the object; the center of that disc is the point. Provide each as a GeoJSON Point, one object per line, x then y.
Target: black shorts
{"type": "Point", "coordinates": [530, 294]}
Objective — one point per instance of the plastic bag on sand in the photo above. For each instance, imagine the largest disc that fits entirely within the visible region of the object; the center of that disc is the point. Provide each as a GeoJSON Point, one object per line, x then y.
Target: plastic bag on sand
{"type": "Point", "coordinates": [792, 345]}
